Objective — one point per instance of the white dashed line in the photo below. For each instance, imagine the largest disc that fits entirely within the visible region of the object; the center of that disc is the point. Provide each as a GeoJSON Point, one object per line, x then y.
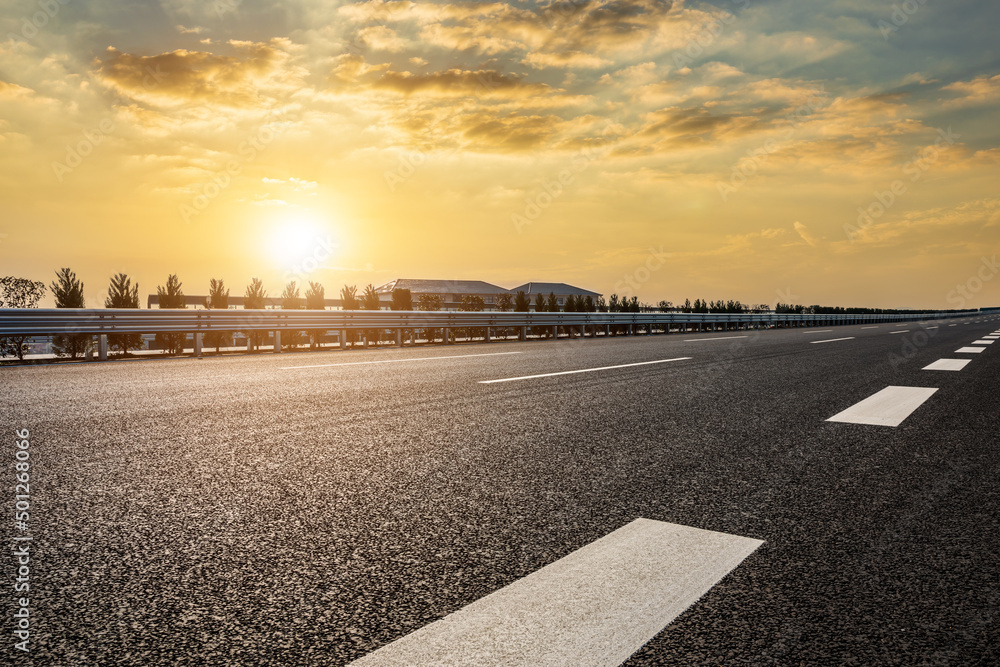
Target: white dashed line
{"type": "Point", "coordinates": [593, 608]}
{"type": "Point", "coordinates": [832, 340]}
{"type": "Point", "coordinates": [697, 340]}
{"type": "Point", "coordinates": [888, 407]}
{"type": "Point", "coordinates": [948, 365]}
{"type": "Point", "coordinates": [969, 350]}
{"type": "Point", "coordinates": [397, 361]}
{"type": "Point", "coordinates": [869, 327]}
{"type": "Point", "coordinates": [583, 370]}
{"type": "Point", "coordinates": [896, 332]}
{"type": "Point", "coordinates": [818, 331]}
{"type": "Point", "coordinates": [982, 342]}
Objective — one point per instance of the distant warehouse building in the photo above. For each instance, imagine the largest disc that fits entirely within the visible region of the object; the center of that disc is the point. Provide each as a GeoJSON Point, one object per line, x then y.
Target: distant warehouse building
{"type": "Point", "coordinates": [449, 291]}
{"type": "Point", "coordinates": [561, 290]}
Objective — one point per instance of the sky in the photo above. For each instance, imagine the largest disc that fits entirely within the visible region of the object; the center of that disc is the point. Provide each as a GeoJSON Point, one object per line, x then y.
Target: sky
{"type": "Point", "coordinates": [843, 152]}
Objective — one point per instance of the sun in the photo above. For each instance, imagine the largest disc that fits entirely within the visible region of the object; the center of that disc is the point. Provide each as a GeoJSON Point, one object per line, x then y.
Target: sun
{"type": "Point", "coordinates": [296, 238]}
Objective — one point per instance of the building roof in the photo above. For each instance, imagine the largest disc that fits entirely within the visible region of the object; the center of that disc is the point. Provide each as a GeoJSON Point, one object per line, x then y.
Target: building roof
{"type": "Point", "coordinates": [531, 289]}
{"type": "Point", "coordinates": [417, 286]}
{"type": "Point", "coordinates": [234, 301]}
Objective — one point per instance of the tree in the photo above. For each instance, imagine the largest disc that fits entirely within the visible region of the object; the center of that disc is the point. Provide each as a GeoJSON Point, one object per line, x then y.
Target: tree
{"type": "Point", "coordinates": [68, 293]}
{"type": "Point", "coordinates": [589, 306]}
{"type": "Point", "coordinates": [370, 301]}
{"type": "Point", "coordinates": [430, 302]}
{"type": "Point", "coordinates": [539, 303]}
{"type": "Point", "coordinates": [402, 299]}
{"type": "Point", "coordinates": [171, 296]}
{"type": "Point", "coordinates": [217, 299]}
{"type": "Point", "coordinates": [504, 302]}
{"type": "Point", "coordinates": [316, 300]}
{"type": "Point", "coordinates": [349, 301]}
{"type": "Point", "coordinates": [18, 293]}
{"type": "Point", "coordinates": [123, 294]}
{"type": "Point", "coordinates": [255, 298]}
{"type": "Point", "coordinates": [473, 303]}
{"type": "Point", "coordinates": [552, 304]}
{"type": "Point", "coordinates": [522, 303]}
{"type": "Point", "coordinates": [291, 300]}
{"type": "Point", "coordinates": [570, 305]}
{"type": "Point", "coordinates": [665, 306]}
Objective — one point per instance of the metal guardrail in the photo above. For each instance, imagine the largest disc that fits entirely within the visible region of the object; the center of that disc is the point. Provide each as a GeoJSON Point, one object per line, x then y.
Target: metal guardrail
{"type": "Point", "coordinates": [49, 321]}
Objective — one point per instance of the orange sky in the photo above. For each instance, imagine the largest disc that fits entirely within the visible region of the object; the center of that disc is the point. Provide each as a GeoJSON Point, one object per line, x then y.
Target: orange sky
{"type": "Point", "coordinates": [668, 150]}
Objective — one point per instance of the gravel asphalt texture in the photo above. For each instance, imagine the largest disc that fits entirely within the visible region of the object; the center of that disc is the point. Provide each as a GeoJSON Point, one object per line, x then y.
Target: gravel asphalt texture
{"type": "Point", "coordinates": [230, 511]}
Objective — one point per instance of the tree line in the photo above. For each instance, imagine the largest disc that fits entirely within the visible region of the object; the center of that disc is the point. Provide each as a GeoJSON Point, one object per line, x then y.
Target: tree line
{"type": "Point", "coordinates": [68, 292]}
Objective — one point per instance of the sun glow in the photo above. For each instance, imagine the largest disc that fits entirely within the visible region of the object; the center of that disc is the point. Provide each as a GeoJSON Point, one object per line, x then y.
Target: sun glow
{"type": "Point", "coordinates": [300, 240]}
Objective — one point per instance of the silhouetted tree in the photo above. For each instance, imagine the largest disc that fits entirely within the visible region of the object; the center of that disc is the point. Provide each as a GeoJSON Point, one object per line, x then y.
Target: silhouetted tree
{"type": "Point", "coordinates": [291, 299]}
{"type": "Point", "coordinates": [349, 301]}
{"type": "Point", "coordinates": [68, 293]}
{"type": "Point", "coordinates": [402, 299]}
{"type": "Point", "coordinates": [316, 300]}
{"type": "Point", "coordinates": [370, 301]}
{"type": "Point", "coordinates": [552, 304]}
{"type": "Point", "coordinates": [18, 293]}
{"type": "Point", "coordinates": [522, 303]}
{"type": "Point", "coordinates": [171, 296]}
{"type": "Point", "coordinates": [255, 298]}
{"type": "Point", "coordinates": [123, 294]}
{"type": "Point", "coordinates": [430, 302]}
{"type": "Point", "coordinates": [217, 299]}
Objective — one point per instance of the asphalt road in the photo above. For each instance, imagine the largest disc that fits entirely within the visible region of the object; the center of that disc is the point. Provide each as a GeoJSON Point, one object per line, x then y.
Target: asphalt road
{"type": "Point", "coordinates": [290, 509]}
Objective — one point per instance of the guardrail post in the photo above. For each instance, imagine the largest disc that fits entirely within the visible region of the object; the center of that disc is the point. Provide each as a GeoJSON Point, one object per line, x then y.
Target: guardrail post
{"type": "Point", "coordinates": [343, 339]}
{"type": "Point", "coordinates": [366, 342]}
{"type": "Point", "coordinates": [555, 332]}
{"type": "Point", "coordinates": [399, 337]}
{"type": "Point", "coordinates": [523, 334]}
{"type": "Point", "coordinates": [197, 344]}
{"type": "Point", "coordinates": [447, 336]}
{"type": "Point", "coordinates": [277, 341]}
{"type": "Point", "coordinates": [489, 339]}
{"type": "Point", "coordinates": [102, 347]}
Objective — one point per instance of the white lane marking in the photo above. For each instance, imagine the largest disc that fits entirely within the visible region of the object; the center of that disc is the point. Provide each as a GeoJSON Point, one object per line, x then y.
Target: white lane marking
{"type": "Point", "coordinates": [888, 407]}
{"type": "Point", "coordinates": [869, 327]}
{"type": "Point", "coordinates": [818, 331]}
{"type": "Point", "coordinates": [832, 340]}
{"type": "Point", "coordinates": [396, 361]}
{"type": "Point", "coordinates": [593, 608]}
{"type": "Point", "coordinates": [982, 342]}
{"type": "Point", "coordinates": [695, 340]}
{"type": "Point", "coordinates": [953, 325]}
{"type": "Point", "coordinates": [947, 365]}
{"type": "Point", "coordinates": [969, 350]}
{"type": "Point", "coordinates": [583, 370]}
{"type": "Point", "coordinates": [928, 328]}
{"type": "Point", "coordinates": [896, 332]}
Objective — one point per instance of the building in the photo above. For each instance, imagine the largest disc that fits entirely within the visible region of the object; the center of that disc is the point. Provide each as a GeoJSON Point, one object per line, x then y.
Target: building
{"type": "Point", "coordinates": [450, 291]}
{"type": "Point", "coordinates": [561, 290]}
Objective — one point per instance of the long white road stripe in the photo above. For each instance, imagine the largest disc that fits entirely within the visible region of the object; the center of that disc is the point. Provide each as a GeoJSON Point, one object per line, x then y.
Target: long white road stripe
{"type": "Point", "coordinates": [397, 361]}
{"type": "Point", "coordinates": [948, 365]}
{"type": "Point", "coordinates": [969, 350]}
{"type": "Point", "coordinates": [888, 407]}
{"type": "Point", "coordinates": [695, 340]}
{"type": "Point", "coordinates": [584, 370]}
{"type": "Point", "coordinates": [818, 331]}
{"type": "Point", "coordinates": [593, 608]}
{"type": "Point", "coordinates": [832, 340]}
{"type": "Point", "coordinates": [896, 332]}
{"type": "Point", "coordinates": [982, 342]}
{"type": "Point", "coordinates": [869, 327]}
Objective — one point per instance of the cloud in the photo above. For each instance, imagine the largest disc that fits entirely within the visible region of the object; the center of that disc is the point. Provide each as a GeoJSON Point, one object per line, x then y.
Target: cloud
{"type": "Point", "coordinates": [458, 82]}
{"type": "Point", "coordinates": [804, 234]}
{"type": "Point", "coordinates": [195, 76]}
{"type": "Point", "coordinates": [980, 90]}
